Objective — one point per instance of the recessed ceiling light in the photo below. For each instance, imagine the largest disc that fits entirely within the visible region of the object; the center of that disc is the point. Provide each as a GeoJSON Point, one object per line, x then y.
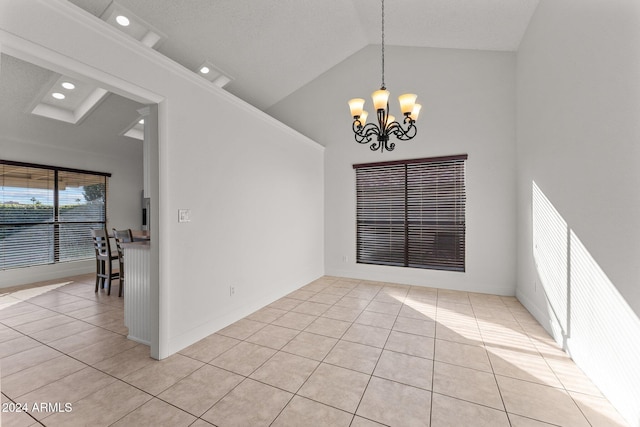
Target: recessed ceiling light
{"type": "Point", "coordinates": [123, 20]}
{"type": "Point", "coordinates": [58, 95]}
{"type": "Point", "coordinates": [68, 85]}
{"type": "Point", "coordinates": [141, 121]}
{"type": "Point", "coordinates": [205, 70]}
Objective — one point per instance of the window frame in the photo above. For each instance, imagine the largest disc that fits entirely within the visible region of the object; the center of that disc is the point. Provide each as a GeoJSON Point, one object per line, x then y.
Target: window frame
{"type": "Point", "coordinates": [393, 228]}
{"type": "Point", "coordinates": [57, 222]}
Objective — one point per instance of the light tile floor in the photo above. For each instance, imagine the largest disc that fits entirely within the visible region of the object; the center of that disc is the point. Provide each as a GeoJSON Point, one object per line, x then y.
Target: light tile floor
{"type": "Point", "coordinates": [337, 352]}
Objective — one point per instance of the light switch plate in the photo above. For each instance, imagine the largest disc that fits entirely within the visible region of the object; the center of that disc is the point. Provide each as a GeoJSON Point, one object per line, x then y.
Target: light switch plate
{"type": "Point", "coordinates": [184, 215]}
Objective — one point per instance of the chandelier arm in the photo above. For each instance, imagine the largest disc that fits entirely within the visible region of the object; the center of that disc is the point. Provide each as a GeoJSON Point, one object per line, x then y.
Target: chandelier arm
{"type": "Point", "coordinates": [362, 139]}
{"type": "Point", "coordinates": [402, 134]}
{"type": "Point", "coordinates": [382, 119]}
{"type": "Point", "coordinates": [368, 130]}
{"type": "Point", "coordinates": [363, 134]}
{"type": "Point", "coordinates": [382, 144]}
{"type": "Point", "coordinates": [389, 146]}
{"type": "Point", "coordinates": [356, 126]}
{"type": "Point", "coordinates": [377, 145]}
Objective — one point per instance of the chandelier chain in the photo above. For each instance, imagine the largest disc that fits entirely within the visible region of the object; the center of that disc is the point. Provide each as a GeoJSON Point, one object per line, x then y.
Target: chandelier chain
{"type": "Point", "coordinates": [383, 86]}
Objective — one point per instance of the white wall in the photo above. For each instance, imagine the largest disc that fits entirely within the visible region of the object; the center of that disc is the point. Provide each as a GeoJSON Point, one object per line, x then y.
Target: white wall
{"type": "Point", "coordinates": [468, 100]}
{"type": "Point", "coordinates": [254, 186]}
{"type": "Point", "coordinates": [578, 181]}
{"type": "Point", "coordinates": [123, 161]}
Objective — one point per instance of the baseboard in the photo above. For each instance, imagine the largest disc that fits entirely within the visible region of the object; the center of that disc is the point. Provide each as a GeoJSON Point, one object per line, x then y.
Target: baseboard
{"type": "Point", "coordinates": [24, 276]}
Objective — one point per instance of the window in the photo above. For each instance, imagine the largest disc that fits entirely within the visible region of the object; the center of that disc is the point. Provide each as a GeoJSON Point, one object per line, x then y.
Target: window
{"type": "Point", "coordinates": [411, 213]}
{"type": "Point", "coordinates": [46, 213]}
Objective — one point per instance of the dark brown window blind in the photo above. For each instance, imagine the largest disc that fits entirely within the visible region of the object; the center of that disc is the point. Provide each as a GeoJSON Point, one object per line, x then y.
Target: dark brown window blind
{"type": "Point", "coordinates": [411, 213]}
{"type": "Point", "coordinates": [47, 213]}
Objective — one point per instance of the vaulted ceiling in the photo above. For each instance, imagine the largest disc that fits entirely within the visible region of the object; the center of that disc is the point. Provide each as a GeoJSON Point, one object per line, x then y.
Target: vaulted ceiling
{"type": "Point", "coordinates": [268, 48]}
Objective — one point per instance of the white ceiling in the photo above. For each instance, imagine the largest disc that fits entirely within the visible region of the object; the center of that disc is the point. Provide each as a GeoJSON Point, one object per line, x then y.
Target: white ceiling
{"type": "Point", "coordinates": [270, 48]}
{"type": "Point", "coordinates": [22, 83]}
{"type": "Point", "coordinates": [273, 47]}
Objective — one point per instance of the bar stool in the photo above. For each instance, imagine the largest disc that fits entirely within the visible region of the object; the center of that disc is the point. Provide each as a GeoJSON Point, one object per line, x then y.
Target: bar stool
{"type": "Point", "coordinates": [104, 257]}
{"type": "Point", "coordinates": [122, 236]}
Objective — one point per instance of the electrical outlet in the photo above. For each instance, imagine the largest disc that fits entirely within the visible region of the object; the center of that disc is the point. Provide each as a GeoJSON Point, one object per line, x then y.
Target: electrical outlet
{"type": "Point", "coordinates": [232, 290]}
{"type": "Point", "coordinates": [345, 258]}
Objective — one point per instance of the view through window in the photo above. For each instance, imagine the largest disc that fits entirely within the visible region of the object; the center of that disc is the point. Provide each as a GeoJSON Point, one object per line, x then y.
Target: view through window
{"type": "Point", "coordinates": [47, 213]}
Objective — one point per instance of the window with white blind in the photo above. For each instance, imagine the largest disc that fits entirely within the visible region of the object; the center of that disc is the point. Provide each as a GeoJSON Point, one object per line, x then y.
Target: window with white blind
{"type": "Point", "coordinates": [47, 213]}
{"type": "Point", "coordinates": [411, 213]}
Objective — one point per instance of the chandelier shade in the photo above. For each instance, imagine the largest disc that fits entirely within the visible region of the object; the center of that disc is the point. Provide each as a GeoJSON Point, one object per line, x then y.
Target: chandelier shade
{"type": "Point", "coordinates": [407, 102]}
{"type": "Point", "coordinates": [380, 99]}
{"type": "Point", "coordinates": [386, 124]}
{"type": "Point", "coordinates": [356, 106]}
{"type": "Point", "coordinates": [363, 117]}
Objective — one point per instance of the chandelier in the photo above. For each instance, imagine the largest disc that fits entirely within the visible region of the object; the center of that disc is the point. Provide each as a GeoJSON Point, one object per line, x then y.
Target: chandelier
{"type": "Point", "coordinates": [387, 124]}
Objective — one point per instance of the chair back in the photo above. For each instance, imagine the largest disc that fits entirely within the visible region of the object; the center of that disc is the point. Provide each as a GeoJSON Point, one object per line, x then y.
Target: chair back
{"type": "Point", "coordinates": [101, 242]}
{"type": "Point", "coordinates": [125, 236]}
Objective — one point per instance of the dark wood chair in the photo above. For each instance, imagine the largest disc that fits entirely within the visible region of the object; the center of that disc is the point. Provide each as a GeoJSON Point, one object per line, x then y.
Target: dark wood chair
{"type": "Point", "coordinates": [126, 236]}
{"type": "Point", "coordinates": [104, 258]}
{"type": "Point", "coordinates": [122, 236]}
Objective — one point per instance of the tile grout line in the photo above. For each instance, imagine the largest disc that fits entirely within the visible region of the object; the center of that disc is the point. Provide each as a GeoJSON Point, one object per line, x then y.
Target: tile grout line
{"type": "Point", "coordinates": [323, 361]}
{"type": "Point", "coordinates": [305, 381]}
{"type": "Point", "coordinates": [485, 309]}
{"type": "Point", "coordinates": [433, 364]}
{"type": "Point", "coordinates": [495, 378]}
{"type": "Point", "coordinates": [316, 368]}
{"type": "Point", "coordinates": [271, 357]}
{"type": "Point", "coordinates": [86, 365]}
{"type": "Point", "coordinates": [551, 368]}
{"type": "Point", "coordinates": [379, 357]}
